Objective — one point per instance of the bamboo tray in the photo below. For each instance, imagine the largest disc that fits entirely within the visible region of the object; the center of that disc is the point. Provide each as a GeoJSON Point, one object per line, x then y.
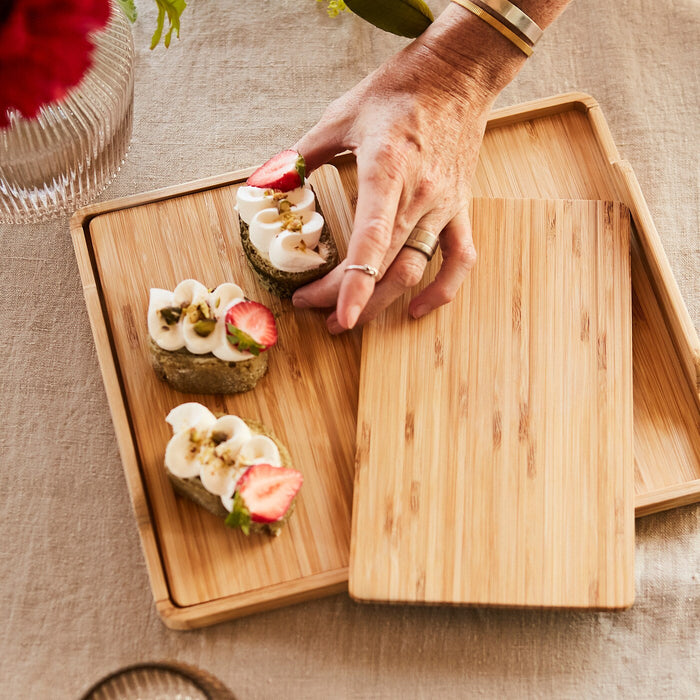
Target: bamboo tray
{"type": "Point", "coordinates": [555, 148]}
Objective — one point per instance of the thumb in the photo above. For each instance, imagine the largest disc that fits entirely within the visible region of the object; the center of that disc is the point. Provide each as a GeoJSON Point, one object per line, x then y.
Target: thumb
{"type": "Point", "coordinates": [320, 144]}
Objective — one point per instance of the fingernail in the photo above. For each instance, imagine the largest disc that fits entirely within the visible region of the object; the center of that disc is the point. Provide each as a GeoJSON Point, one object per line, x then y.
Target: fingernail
{"type": "Point", "coordinates": [300, 302]}
{"type": "Point", "coordinates": [419, 311]}
{"type": "Point", "coordinates": [335, 328]}
{"type": "Point", "coordinates": [352, 315]}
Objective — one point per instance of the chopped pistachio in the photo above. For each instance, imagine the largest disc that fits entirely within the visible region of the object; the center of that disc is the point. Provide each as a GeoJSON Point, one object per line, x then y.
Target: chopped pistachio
{"type": "Point", "coordinates": [192, 313]}
{"type": "Point", "coordinates": [170, 314]}
{"type": "Point", "coordinates": [204, 327]}
{"type": "Point", "coordinates": [218, 436]}
{"type": "Point", "coordinates": [284, 205]}
{"type": "Point", "coordinates": [292, 223]}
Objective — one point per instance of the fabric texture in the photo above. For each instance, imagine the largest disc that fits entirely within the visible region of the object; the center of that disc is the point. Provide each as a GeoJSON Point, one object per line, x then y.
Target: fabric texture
{"type": "Point", "coordinates": [245, 80]}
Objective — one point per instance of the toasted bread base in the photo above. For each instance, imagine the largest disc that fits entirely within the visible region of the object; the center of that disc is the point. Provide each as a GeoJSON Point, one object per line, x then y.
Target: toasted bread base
{"type": "Point", "coordinates": [284, 284]}
{"type": "Point", "coordinates": [193, 488]}
{"type": "Point", "coordinates": [205, 374]}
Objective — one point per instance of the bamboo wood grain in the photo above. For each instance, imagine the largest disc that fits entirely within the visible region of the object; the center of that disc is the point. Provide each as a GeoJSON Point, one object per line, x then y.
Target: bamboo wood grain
{"type": "Point", "coordinates": [559, 147]}
{"type": "Point", "coordinates": [494, 445]}
{"type": "Point", "coordinates": [308, 398]}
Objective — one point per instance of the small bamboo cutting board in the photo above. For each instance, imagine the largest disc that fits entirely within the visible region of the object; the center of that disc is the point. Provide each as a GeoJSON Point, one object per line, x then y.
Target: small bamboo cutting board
{"type": "Point", "coordinates": [494, 451]}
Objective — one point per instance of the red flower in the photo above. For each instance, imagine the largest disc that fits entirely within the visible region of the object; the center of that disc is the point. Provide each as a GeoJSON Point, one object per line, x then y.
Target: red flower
{"type": "Point", "coordinates": [45, 49]}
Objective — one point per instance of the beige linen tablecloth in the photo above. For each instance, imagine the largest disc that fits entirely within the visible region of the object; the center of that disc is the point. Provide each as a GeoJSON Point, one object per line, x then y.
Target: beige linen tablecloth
{"type": "Point", "coordinates": [246, 79]}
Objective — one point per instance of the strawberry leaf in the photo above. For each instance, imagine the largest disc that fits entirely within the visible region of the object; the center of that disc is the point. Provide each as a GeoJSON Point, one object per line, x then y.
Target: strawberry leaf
{"type": "Point", "coordinates": [242, 341]}
{"type": "Point", "coordinates": [300, 167]}
{"type": "Point", "coordinates": [240, 515]}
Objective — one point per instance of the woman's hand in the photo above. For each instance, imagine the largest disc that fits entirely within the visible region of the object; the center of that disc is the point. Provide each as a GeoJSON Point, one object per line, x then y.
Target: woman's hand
{"type": "Point", "coordinates": [415, 126]}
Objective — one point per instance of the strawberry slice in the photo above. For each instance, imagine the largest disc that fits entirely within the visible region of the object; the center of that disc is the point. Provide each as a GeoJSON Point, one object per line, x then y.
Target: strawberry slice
{"type": "Point", "coordinates": [251, 326]}
{"type": "Point", "coordinates": [285, 171]}
{"type": "Point", "coordinates": [263, 495]}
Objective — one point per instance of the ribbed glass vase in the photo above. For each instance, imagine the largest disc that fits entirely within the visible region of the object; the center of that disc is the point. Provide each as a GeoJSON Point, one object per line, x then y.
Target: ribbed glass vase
{"type": "Point", "coordinates": [64, 157]}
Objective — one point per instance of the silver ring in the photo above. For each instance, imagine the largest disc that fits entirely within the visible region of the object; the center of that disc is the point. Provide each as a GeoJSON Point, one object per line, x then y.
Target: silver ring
{"type": "Point", "coordinates": [425, 241]}
{"type": "Point", "coordinates": [367, 269]}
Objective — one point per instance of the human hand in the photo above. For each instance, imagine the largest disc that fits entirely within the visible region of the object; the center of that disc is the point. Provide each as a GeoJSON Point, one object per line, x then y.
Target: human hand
{"type": "Point", "coordinates": [415, 126]}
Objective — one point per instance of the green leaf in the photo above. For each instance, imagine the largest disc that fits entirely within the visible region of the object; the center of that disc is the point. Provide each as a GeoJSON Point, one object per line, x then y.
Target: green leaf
{"type": "Point", "coordinates": [173, 9]}
{"type": "Point", "coordinates": [129, 9]}
{"type": "Point", "coordinates": [402, 17]}
{"type": "Point", "coordinates": [240, 515]}
{"type": "Point", "coordinates": [242, 341]}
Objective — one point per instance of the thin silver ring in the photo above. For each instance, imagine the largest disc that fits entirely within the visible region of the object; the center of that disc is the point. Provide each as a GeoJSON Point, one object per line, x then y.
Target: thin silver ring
{"type": "Point", "coordinates": [367, 269]}
{"type": "Point", "coordinates": [425, 241]}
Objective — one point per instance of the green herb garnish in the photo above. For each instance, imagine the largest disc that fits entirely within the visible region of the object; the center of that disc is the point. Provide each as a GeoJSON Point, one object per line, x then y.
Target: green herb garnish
{"type": "Point", "coordinates": [242, 341]}
{"type": "Point", "coordinates": [240, 515]}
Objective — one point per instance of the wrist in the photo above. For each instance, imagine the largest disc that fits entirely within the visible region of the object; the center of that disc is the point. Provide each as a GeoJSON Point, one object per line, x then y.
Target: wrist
{"type": "Point", "coordinates": [481, 57]}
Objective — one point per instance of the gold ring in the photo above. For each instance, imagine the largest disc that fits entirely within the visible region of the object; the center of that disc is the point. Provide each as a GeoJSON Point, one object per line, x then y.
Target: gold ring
{"type": "Point", "coordinates": [425, 241]}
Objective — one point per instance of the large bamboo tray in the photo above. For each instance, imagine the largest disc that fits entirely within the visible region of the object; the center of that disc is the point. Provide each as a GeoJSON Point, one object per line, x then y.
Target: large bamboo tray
{"type": "Point", "coordinates": [555, 148]}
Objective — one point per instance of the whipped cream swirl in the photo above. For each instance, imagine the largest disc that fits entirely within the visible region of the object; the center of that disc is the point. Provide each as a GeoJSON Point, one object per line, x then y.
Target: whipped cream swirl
{"type": "Point", "coordinates": [284, 227]}
{"type": "Point", "coordinates": [217, 450]}
{"type": "Point", "coordinates": [192, 317]}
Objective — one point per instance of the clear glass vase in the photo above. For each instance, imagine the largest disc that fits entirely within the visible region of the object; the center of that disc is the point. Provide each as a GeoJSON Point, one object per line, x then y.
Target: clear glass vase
{"type": "Point", "coordinates": [64, 157]}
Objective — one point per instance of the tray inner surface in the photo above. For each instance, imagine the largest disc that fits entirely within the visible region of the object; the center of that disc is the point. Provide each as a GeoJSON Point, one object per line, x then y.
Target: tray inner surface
{"type": "Point", "coordinates": [308, 398]}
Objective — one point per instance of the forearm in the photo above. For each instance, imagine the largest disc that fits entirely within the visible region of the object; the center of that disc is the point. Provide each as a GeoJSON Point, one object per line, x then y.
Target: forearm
{"type": "Point", "coordinates": [474, 53]}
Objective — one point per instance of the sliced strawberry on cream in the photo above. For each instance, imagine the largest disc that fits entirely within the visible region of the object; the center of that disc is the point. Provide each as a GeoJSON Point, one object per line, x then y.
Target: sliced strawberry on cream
{"type": "Point", "coordinates": [264, 495]}
{"type": "Point", "coordinates": [194, 318]}
{"type": "Point", "coordinates": [284, 171]}
{"type": "Point", "coordinates": [251, 327]}
{"type": "Point", "coordinates": [218, 451]}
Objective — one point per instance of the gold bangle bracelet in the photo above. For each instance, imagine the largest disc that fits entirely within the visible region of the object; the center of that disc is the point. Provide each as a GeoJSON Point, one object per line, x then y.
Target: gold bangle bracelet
{"type": "Point", "coordinates": [514, 18]}
{"type": "Point", "coordinates": [501, 28]}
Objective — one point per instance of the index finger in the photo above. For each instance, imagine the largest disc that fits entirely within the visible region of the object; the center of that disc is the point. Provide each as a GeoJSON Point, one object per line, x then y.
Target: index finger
{"type": "Point", "coordinates": [378, 196]}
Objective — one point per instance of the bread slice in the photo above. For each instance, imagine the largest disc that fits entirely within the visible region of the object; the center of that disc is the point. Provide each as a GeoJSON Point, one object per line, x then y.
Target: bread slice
{"type": "Point", "coordinates": [193, 488]}
{"type": "Point", "coordinates": [205, 374]}
{"type": "Point", "coordinates": [284, 284]}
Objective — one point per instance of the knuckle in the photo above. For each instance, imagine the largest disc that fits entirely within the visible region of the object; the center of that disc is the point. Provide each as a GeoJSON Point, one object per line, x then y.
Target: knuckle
{"type": "Point", "coordinates": [470, 257]}
{"type": "Point", "coordinates": [377, 233]}
{"type": "Point", "coordinates": [409, 272]}
{"type": "Point", "coordinates": [429, 189]}
{"type": "Point", "coordinates": [443, 296]}
{"type": "Point", "coordinates": [466, 255]}
{"type": "Point", "coordinates": [389, 160]}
